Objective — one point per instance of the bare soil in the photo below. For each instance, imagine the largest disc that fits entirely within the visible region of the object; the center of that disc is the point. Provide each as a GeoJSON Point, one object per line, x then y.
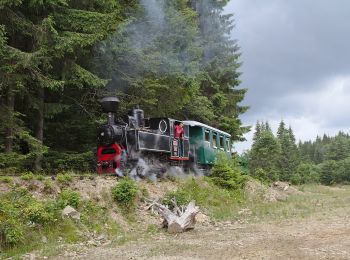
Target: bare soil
{"type": "Point", "coordinates": [323, 233]}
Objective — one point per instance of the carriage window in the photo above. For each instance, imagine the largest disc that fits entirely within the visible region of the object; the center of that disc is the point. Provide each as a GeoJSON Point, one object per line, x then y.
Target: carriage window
{"type": "Point", "coordinates": [228, 148]}
{"type": "Point", "coordinates": [109, 151]}
{"type": "Point", "coordinates": [222, 144]}
{"type": "Point", "coordinates": [214, 140]}
{"type": "Point", "coordinates": [207, 136]}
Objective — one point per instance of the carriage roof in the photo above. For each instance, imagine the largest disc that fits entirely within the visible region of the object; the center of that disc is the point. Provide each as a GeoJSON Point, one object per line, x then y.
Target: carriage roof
{"type": "Point", "coordinates": [195, 123]}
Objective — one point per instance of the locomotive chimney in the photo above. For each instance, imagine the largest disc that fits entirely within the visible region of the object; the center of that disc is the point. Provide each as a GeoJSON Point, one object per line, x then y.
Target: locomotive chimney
{"type": "Point", "coordinates": [110, 106]}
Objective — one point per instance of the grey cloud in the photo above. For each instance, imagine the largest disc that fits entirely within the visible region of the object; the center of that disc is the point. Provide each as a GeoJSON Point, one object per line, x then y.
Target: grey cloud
{"type": "Point", "coordinates": [291, 50]}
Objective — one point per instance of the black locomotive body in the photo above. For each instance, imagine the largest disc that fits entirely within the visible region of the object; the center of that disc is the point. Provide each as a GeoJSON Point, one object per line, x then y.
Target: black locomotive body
{"type": "Point", "coordinates": [121, 145]}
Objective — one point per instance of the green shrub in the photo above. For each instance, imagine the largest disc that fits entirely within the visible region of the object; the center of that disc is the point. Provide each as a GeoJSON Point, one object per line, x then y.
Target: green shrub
{"type": "Point", "coordinates": [59, 161]}
{"type": "Point", "coordinates": [28, 176]}
{"type": "Point", "coordinates": [64, 178]}
{"type": "Point", "coordinates": [125, 192]}
{"type": "Point", "coordinates": [69, 197]}
{"type": "Point", "coordinates": [37, 213]}
{"type": "Point", "coordinates": [11, 231]}
{"type": "Point", "coordinates": [306, 173]}
{"type": "Point", "coordinates": [226, 174]}
{"type": "Point", "coordinates": [12, 163]}
{"type": "Point", "coordinates": [39, 177]}
{"type": "Point", "coordinates": [182, 198]}
{"type": "Point", "coordinates": [48, 186]}
{"type": "Point", "coordinates": [6, 179]}
{"type": "Point", "coordinates": [328, 172]}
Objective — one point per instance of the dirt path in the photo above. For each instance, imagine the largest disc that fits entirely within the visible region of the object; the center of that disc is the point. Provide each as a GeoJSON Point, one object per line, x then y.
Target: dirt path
{"type": "Point", "coordinates": [324, 235]}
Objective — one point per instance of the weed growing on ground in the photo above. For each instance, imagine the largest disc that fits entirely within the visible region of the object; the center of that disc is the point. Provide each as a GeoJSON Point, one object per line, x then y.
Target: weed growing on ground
{"type": "Point", "coordinates": [28, 176]}
{"type": "Point", "coordinates": [69, 198]}
{"type": "Point", "coordinates": [64, 178]}
{"type": "Point", "coordinates": [6, 179]}
{"type": "Point", "coordinates": [217, 202]}
{"type": "Point", "coordinates": [125, 193]}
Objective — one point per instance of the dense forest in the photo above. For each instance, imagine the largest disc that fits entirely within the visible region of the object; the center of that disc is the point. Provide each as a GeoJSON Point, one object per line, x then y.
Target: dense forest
{"type": "Point", "coordinates": [325, 160]}
{"type": "Point", "coordinates": [58, 58]}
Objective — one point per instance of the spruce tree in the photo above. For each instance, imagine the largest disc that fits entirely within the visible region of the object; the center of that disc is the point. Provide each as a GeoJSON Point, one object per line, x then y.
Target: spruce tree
{"type": "Point", "coordinates": [46, 60]}
{"type": "Point", "coordinates": [289, 157]}
{"type": "Point", "coordinates": [264, 156]}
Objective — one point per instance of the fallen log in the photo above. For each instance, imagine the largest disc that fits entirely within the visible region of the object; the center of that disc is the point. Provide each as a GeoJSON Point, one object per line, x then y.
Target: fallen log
{"type": "Point", "coordinates": [177, 221]}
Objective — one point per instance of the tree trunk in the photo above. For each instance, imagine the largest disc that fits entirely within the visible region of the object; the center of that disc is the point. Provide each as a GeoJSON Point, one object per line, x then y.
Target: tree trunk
{"type": "Point", "coordinates": [10, 104]}
{"type": "Point", "coordinates": [39, 130]}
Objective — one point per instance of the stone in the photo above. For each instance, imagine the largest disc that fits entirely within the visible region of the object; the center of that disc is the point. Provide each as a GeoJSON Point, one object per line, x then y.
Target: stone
{"type": "Point", "coordinates": [70, 212]}
{"type": "Point", "coordinates": [44, 239]}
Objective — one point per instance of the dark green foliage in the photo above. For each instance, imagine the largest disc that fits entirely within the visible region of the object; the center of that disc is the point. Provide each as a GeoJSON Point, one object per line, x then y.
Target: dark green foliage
{"type": "Point", "coordinates": [57, 57]}
{"type": "Point", "coordinates": [46, 56]}
{"type": "Point", "coordinates": [328, 170]}
{"type": "Point", "coordinates": [125, 193]}
{"type": "Point", "coordinates": [61, 161]}
{"type": "Point", "coordinates": [326, 148]}
{"type": "Point", "coordinates": [265, 154]}
{"type": "Point", "coordinates": [227, 175]}
{"type": "Point", "coordinates": [306, 173]}
{"type": "Point", "coordinates": [331, 155]}
{"type": "Point", "coordinates": [289, 157]}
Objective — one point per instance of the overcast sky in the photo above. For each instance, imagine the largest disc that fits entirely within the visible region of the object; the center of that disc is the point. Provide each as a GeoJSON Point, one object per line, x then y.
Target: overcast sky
{"type": "Point", "coordinates": [296, 64]}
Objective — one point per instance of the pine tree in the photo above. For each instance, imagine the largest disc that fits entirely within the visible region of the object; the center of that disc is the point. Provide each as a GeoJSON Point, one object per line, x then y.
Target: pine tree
{"type": "Point", "coordinates": [257, 132]}
{"type": "Point", "coordinates": [289, 157]}
{"type": "Point", "coordinates": [46, 60]}
{"type": "Point", "coordinates": [264, 156]}
{"type": "Point", "coordinates": [220, 76]}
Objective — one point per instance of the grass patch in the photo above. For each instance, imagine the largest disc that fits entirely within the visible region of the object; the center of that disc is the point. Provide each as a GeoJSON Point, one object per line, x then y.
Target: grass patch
{"type": "Point", "coordinates": [315, 199]}
{"type": "Point", "coordinates": [64, 178]}
{"type": "Point", "coordinates": [6, 179]}
{"type": "Point", "coordinates": [26, 221]}
{"type": "Point", "coordinates": [125, 193]}
{"type": "Point", "coordinates": [28, 176]}
{"type": "Point", "coordinates": [217, 202]}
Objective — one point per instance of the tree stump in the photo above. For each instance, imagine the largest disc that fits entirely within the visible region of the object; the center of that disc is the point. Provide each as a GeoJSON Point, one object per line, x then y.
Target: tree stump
{"type": "Point", "coordinates": [177, 221]}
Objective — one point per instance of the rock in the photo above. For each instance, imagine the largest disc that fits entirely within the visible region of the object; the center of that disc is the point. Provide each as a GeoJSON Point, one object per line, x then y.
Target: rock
{"type": "Point", "coordinates": [92, 243]}
{"type": "Point", "coordinates": [69, 211]}
{"type": "Point", "coordinates": [202, 218]}
{"type": "Point", "coordinates": [101, 237]}
{"type": "Point", "coordinates": [44, 239]}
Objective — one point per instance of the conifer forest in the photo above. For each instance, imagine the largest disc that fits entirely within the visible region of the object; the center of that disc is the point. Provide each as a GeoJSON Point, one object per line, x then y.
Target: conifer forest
{"type": "Point", "coordinates": [121, 120]}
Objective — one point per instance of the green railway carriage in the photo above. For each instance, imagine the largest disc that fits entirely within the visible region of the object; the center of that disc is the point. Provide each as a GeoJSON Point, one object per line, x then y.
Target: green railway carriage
{"type": "Point", "coordinates": [206, 141]}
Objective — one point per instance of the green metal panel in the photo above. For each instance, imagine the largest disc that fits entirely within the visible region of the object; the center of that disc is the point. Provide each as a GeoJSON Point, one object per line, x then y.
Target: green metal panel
{"type": "Point", "coordinates": [205, 151]}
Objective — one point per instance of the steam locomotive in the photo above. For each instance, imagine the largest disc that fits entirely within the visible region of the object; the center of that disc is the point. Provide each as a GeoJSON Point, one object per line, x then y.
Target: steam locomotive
{"type": "Point", "coordinates": [148, 144]}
